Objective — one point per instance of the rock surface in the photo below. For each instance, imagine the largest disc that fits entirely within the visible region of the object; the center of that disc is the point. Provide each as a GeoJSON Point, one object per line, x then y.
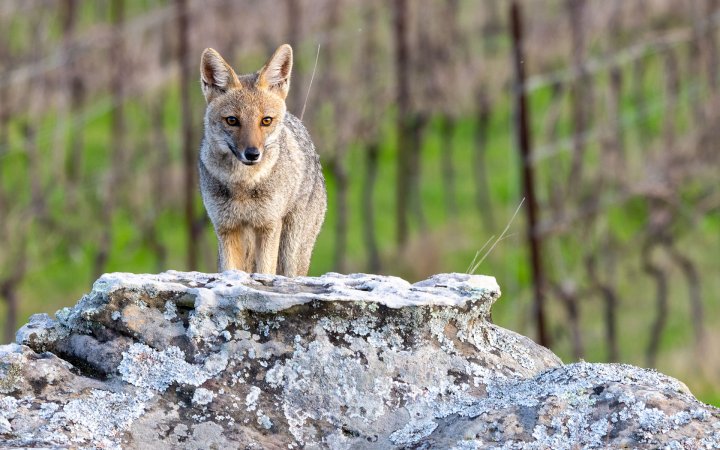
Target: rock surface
{"type": "Point", "coordinates": [192, 360]}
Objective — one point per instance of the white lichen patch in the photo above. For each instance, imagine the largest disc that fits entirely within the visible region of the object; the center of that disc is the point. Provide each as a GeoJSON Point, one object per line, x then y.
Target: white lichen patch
{"type": "Point", "coordinates": [364, 325]}
{"type": "Point", "coordinates": [8, 407]}
{"type": "Point", "coordinates": [252, 398]}
{"type": "Point", "coordinates": [146, 367]}
{"type": "Point", "coordinates": [470, 444]}
{"type": "Point", "coordinates": [102, 414]}
{"type": "Point", "coordinates": [202, 396]}
{"type": "Point", "coordinates": [209, 318]}
{"type": "Point", "coordinates": [5, 427]}
{"type": "Point", "coordinates": [48, 409]}
{"type": "Point", "coordinates": [8, 410]}
{"type": "Point", "coordinates": [264, 420]}
{"type": "Point", "coordinates": [216, 362]}
{"type": "Point", "coordinates": [170, 311]}
{"type": "Point", "coordinates": [413, 432]}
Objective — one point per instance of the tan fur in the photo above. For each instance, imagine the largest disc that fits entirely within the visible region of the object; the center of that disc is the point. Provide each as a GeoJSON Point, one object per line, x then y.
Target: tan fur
{"type": "Point", "coordinates": [266, 213]}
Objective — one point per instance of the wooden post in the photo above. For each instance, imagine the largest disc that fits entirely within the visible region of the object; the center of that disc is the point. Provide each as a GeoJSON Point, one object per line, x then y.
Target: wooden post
{"type": "Point", "coordinates": [522, 123]}
{"type": "Point", "coordinates": [581, 90]}
{"type": "Point", "coordinates": [402, 61]}
{"type": "Point", "coordinates": [76, 86]}
{"type": "Point", "coordinates": [113, 196]}
{"type": "Point", "coordinates": [374, 99]}
{"type": "Point", "coordinates": [188, 141]}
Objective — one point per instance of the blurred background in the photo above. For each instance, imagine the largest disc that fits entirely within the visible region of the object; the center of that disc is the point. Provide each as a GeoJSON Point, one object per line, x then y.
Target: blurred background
{"type": "Point", "coordinates": [434, 120]}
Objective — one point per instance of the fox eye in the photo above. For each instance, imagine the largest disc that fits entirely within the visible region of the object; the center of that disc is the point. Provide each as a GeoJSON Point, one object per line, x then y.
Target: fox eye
{"type": "Point", "coordinates": [266, 121]}
{"type": "Point", "coordinates": [232, 121]}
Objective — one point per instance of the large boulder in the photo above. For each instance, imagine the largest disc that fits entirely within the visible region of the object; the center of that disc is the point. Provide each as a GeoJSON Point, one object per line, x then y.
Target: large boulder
{"type": "Point", "coordinates": [192, 360]}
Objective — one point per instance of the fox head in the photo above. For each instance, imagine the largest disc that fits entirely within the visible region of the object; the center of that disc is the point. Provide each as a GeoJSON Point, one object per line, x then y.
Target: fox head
{"type": "Point", "coordinates": [244, 113]}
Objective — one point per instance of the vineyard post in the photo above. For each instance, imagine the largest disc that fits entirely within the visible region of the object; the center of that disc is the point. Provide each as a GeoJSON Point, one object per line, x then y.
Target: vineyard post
{"type": "Point", "coordinates": [402, 92]}
{"type": "Point", "coordinates": [522, 128]}
{"type": "Point", "coordinates": [188, 140]}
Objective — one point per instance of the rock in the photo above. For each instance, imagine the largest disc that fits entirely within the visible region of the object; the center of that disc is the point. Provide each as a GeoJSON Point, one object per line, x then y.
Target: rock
{"type": "Point", "coordinates": [192, 360]}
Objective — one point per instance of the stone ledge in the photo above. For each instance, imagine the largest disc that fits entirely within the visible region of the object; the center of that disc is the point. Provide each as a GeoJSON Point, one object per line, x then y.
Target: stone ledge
{"type": "Point", "coordinates": [192, 360]}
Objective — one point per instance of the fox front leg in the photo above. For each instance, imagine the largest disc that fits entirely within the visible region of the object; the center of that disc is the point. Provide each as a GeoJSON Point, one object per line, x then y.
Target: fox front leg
{"type": "Point", "coordinates": [267, 245]}
{"type": "Point", "coordinates": [235, 250]}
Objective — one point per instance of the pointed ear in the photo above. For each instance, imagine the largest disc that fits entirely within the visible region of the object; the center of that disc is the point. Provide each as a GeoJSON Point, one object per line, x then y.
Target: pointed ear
{"type": "Point", "coordinates": [216, 75]}
{"type": "Point", "coordinates": [275, 75]}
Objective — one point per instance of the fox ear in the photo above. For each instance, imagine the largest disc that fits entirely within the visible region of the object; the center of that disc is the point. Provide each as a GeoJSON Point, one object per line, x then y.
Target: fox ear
{"type": "Point", "coordinates": [275, 74]}
{"type": "Point", "coordinates": [216, 75]}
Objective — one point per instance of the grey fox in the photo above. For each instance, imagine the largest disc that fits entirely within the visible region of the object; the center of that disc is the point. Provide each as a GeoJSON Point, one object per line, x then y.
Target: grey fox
{"type": "Point", "coordinates": [260, 176]}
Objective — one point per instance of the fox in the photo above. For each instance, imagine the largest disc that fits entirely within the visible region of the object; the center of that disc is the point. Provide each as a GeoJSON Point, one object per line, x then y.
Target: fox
{"type": "Point", "coordinates": [260, 176]}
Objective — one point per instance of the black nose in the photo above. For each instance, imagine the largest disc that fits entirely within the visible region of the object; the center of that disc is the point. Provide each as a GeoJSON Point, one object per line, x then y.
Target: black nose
{"type": "Point", "coordinates": [252, 154]}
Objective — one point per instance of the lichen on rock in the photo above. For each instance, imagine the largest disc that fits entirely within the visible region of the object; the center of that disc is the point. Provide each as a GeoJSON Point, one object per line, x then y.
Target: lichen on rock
{"type": "Point", "coordinates": [194, 360]}
{"type": "Point", "coordinates": [146, 367]}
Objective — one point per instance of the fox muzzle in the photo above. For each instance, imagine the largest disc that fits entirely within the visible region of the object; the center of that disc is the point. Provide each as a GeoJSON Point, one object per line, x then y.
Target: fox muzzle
{"type": "Point", "coordinates": [251, 156]}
